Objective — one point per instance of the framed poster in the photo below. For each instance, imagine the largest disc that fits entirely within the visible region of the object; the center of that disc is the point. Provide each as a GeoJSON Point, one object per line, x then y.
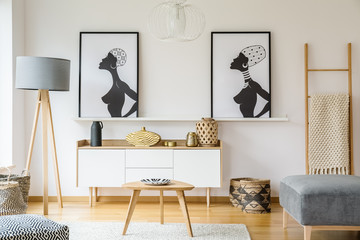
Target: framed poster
{"type": "Point", "coordinates": [240, 74]}
{"type": "Point", "coordinates": [109, 74]}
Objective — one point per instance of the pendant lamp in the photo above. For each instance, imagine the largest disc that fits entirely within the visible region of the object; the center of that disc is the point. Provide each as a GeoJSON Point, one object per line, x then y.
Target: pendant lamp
{"type": "Point", "coordinates": [173, 20]}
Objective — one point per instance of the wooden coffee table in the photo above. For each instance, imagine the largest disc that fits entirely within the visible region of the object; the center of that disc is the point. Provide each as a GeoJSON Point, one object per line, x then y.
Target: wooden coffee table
{"type": "Point", "coordinates": [177, 186]}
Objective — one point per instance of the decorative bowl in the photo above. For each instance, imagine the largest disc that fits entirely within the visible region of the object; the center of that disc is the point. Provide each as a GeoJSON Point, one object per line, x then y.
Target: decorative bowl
{"type": "Point", "coordinates": [155, 181]}
{"type": "Point", "coordinates": [143, 138]}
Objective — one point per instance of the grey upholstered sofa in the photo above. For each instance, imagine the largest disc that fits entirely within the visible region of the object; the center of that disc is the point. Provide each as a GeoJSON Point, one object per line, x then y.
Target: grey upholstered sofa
{"type": "Point", "coordinates": [321, 202]}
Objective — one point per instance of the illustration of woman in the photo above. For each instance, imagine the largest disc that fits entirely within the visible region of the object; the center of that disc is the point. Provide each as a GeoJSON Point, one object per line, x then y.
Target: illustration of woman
{"type": "Point", "coordinates": [115, 98]}
{"type": "Point", "coordinates": [247, 97]}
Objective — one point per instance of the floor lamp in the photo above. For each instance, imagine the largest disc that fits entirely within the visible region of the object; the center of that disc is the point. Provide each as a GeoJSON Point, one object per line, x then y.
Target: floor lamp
{"type": "Point", "coordinates": [44, 74]}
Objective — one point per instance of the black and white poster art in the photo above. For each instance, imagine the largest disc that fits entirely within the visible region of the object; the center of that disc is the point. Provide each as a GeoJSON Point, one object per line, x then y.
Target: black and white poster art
{"type": "Point", "coordinates": [240, 74]}
{"type": "Point", "coordinates": [108, 85]}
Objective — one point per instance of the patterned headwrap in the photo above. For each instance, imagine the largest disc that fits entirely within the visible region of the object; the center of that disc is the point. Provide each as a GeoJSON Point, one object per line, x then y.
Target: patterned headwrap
{"type": "Point", "coordinates": [255, 54]}
{"type": "Point", "coordinates": [120, 56]}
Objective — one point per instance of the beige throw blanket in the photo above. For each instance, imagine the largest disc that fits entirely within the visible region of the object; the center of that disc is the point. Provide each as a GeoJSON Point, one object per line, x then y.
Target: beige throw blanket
{"type": "Point", "coordinates": [329, 134]}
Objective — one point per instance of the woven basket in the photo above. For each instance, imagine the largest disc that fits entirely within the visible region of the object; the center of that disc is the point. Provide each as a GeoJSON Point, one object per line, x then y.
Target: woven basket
{"type": "Point", "coordinates": [24, 184]}
{"type": "Point", "coordinates": [11, 200]}
{"type": "Point", "coordinates": [207, 132]}
{"type": "Point", "coordinates": [255, 195]}
{"type": "Point", "coordinates": [235, 190]}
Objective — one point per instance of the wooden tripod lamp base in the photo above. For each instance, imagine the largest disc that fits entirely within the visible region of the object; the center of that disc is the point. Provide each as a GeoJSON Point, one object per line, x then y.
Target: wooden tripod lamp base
{"type": "Point", "coordinates": [43, 101]}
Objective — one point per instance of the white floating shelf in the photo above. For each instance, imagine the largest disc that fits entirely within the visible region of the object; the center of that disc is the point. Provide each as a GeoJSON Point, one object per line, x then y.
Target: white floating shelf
{"type": "Point", "coordinates": [140, 119]}
{"type": "Point", "coordinates": [273, 119]}
{"type": "Point", "coordinates": [195, 119]}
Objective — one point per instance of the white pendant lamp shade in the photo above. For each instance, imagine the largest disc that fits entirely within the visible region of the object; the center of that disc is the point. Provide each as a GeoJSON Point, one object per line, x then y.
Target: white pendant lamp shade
{"type": "Point", "coordinates": [174, 20]}
{"type": "Point", "coordinates": [42, 73]}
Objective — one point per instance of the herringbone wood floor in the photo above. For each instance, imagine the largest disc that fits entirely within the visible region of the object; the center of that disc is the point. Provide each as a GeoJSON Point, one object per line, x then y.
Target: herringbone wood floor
{"type": "Point", "coordinates": [260, 226]}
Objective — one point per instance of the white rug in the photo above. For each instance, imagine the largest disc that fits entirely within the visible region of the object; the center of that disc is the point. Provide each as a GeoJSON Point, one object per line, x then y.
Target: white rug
{"type": "Point", "coordinates": [155, 231]}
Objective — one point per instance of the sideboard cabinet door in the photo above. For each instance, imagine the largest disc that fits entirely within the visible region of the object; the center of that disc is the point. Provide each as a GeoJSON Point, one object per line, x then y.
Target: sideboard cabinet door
{"type": "Point", "coordinates": [101, 168]}
{"type": "Point", "coordinates": [201, 168]}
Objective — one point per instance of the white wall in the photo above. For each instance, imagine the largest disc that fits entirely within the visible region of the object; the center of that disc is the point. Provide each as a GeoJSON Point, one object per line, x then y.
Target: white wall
{"type": "Point", "coordinates": [6, 81]}
{"type": "Point", "coordinates": [20, 145]}
{"type": "Point", "coordinates": [175, 77]}
{"type": "Point", "coordinates": [11, 100]}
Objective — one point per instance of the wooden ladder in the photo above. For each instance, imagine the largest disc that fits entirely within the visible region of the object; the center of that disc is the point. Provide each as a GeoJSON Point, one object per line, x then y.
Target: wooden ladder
{"type": "Point", "coordinates": [307, 70]}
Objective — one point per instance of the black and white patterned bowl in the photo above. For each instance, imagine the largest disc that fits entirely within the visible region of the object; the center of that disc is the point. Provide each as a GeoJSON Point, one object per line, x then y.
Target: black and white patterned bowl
{"type": "Point", "coordinates": [155, 181]}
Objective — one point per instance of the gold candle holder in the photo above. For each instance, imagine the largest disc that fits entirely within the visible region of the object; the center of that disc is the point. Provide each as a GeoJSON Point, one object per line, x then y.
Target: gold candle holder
{"type": "Point", "coordinates": [171, 144]}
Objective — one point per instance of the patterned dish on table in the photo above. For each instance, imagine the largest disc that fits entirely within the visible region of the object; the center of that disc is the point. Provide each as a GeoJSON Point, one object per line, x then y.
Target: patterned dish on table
{"type": "Point", "coordinates": [155, 181]}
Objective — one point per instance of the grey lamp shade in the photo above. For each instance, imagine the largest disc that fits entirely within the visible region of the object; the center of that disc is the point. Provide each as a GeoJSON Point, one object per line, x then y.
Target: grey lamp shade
{"type": "Point", "coordinates": [42, 73]}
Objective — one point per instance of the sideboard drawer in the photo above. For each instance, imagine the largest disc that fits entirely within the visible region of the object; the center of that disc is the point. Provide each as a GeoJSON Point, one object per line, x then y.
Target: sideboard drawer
{"type": "Point", "coordinates": [149, 158]}
{"type": "Point", "coordinates": [136, 174]}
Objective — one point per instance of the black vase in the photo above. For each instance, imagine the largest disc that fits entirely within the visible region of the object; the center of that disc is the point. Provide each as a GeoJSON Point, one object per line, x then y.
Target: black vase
{"type": "Point", "coordinates": [96, 138]}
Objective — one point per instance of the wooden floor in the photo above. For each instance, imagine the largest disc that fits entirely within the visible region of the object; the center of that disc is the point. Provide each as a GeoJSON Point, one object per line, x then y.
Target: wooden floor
{"type": "Point", "coordinates": [260, 226]}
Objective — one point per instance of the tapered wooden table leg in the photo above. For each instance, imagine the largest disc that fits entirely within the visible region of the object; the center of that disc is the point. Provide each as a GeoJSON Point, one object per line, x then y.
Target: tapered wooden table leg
{"type": "Point", "coordinates": [161, 207]}
{"type": "Point", "coordinates": [131, 208]}
{"type": "Point", "coordinates": [184, 209]}
{"type": "Point", "coordinates": [177, 186]}
{"type": "Point", "coordinates": [208, 197]}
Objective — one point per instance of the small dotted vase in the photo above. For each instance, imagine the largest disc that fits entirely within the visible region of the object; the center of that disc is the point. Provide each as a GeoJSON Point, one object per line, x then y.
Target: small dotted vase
{"type": "Point", "coordinates": [207, 132]}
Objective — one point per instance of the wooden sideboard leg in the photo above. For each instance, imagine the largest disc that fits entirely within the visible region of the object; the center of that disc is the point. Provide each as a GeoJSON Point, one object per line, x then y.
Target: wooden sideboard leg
{"type": "Point", "coordinates": [208, 196]}
{"type": "Point", "coordinates": [90, 196]}
{"type": "Point", "coordinates": [96, 193]}
{"type": "Point", "coordinates": [131, 208]}
{"type": "Point", "coordinates": [285, 218]}
{"type": "Point", "coordinates": [161, 207]}
{"type": "Point", "coordinates": [182, 201]}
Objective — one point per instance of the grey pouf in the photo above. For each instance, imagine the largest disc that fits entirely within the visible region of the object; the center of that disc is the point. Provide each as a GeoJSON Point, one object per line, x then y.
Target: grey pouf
{"type": "Point", "coordinates": [31, 227]}
{"type": "Point", "coordinates": [322, 199]}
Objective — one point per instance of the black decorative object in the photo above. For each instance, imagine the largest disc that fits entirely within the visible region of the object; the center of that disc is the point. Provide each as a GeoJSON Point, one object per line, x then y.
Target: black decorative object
{"type": "Point", "coordinates": [155, 181]}
{"type": "Point", "coordinates": [96, 137]}
{"type": "Point", "coordinates": [108, 74]}
{"type": "Point", "coordinates": [240, 74]}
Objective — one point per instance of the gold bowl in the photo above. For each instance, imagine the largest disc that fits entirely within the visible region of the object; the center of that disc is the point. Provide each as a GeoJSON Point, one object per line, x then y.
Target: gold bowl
{"type": "Point", "coordinates": [143, 138]}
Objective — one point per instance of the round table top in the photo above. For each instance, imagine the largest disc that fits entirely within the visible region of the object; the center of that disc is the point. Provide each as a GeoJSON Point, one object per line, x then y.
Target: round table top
{"type": "Point", "coordinates": [173, 185]}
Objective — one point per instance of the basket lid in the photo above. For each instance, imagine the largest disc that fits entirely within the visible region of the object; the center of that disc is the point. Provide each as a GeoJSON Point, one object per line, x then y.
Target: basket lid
{"type": "Point", "coordinates": [208, 119]}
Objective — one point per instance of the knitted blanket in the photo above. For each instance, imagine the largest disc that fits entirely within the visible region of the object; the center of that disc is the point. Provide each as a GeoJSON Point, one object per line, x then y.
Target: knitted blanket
{"type": "Point", "coordinates": [329, 134]}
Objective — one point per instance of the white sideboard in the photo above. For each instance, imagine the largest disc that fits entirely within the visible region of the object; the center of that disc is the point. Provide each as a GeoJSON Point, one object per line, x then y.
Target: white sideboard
{"type": "Point", "coordinates": [116, 162]}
